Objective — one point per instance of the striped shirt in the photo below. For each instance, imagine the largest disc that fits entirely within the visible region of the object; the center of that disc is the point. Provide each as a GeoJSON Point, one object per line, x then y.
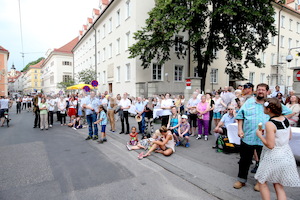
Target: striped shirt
{"type": "Point", "coordinates": [252, 113]}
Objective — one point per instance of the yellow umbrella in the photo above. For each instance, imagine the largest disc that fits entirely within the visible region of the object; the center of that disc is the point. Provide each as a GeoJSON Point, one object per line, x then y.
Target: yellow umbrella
{"type": "Point", "coordinates": [79, 86]}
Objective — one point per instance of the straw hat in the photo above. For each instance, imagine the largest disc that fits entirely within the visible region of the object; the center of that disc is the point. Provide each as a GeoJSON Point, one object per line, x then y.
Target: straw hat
{"type": "Point", "coordinates": [138, 118]}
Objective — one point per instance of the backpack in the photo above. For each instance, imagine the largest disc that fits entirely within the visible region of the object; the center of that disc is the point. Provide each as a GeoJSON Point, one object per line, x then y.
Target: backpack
{"type": "Point", "coordinates": [223, 145]}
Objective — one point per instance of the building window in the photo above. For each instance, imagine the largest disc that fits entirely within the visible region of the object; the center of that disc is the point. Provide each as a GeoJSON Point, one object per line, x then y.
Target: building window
{"type": "Point", "coordinates": [104, 77]}
{"type": "Point", "coordinates": [52, 63]}
{"type": "Point", "coordinates": [178, 73]}
{"type": "Point", "coordinates": [262, 77]}
{"type": "Point", "coordinates": [118, 74]}
{"type": "Point", "coordinates": [196, 72]}
{"type": "Point", "coordinates": [103, 31]}
{"type": "Point", "coordinates": [251, 77]}
{"type": "Point", "coordinates": [118, 18]}
{"type": "Point", "coordinates": [282, 21]}
{"type": "Point", "coordinates": [128, 72]}
{"type": "Point", "coordinates": [272, 59]}
{"type": "Point", "coordinates": [298, 27]}
{"type": "Point", "coordinates": [110, 25]}
{"type": "Point", "coordinates": [66, 63]}
{"type": "Point", "coordinates": [297, 43]}
{"type": "Point", "coordinates": [275, 18]}
{"type": "Point", "coordinates": [156, 72]}
{"type": "Point", "coordinates": [214, 76]}
{"type": "Point", "coordinates": [35, 76]}
{"type": "Point", "coordinates": [35, 84]}
{"type": "Point", "coordinates": [103, 54]}
{"type": "Point", "coordinates": [67, 78]}
{"type": "Point", "coordinates": [273, 40]}
{"type": "Point", "coordinates": [99, 35]}
{"type": "Point", "coordinates": [178, 44]}
{"type": "Point", "coordinates": [290, 43]}
{"type": "Point", "coordinates": [127, 40]}
{"type": "Point", "coordinates": [291, 25]}
{"type": "Point", "coordinates": [263, 57]}
{"type": "Point", "coordinates": [127, 9]}
{"type": "Point", "coordinates": [296, 62]}
{"type": "Point", "coordinates": [35, 71]}
{"type": "Point", "coordinates": [110, 50]}
{"type": "Point", "coordinates": [51, 80]}
{"type": "Point", "coordinates": [98, 57]}
{"type": "Point", "coordinates": [118, 47]}
{"type": "Point", "coordinates": [282, 41]}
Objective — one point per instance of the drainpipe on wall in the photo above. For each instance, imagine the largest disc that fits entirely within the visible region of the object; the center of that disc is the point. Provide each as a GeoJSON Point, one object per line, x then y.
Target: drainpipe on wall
{"type": "Point", "coordinates": [95, 52]}
{"type": "Point", "coordinates": [278, 44]}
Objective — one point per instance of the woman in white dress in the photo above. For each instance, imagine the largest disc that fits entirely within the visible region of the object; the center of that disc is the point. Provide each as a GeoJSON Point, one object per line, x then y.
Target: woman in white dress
{"type": "Point", "coordinates": [277, 163]}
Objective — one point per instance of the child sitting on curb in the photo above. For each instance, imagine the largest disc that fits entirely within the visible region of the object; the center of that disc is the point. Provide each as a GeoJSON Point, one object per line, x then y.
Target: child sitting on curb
{"type": "Point", "coordinates": [183, 131]}
{"type": "Point", "coordinates": [145, 143]}
{"type": "Point", "coordinates": [133, 137]}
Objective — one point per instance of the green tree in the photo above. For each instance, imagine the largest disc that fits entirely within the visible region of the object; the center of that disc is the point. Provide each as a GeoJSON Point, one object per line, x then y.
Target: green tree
{"type": "Point", "coordinates": [32, 63]}
{"type": "Point", "coordinates": [239, 27]}
{"type": "Point", "coordinates": [86, 76]}
{"type": "Point", "coordinates": [63, 85]}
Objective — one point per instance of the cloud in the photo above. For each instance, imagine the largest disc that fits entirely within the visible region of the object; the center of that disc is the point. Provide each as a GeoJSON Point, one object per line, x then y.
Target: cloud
{"type": "Point", "coordinates": [45, 24]}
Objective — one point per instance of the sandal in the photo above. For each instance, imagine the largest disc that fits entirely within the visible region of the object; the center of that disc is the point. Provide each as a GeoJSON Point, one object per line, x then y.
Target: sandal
{"type": "Point", "coordinates": [141, 156]}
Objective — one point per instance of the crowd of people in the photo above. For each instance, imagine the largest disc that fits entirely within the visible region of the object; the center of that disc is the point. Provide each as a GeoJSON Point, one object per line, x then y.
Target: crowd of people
{"type": "Point", "coordinates": [181, 120]}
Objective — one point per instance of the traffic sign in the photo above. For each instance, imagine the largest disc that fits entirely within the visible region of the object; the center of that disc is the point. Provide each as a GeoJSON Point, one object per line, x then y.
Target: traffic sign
{"type": "Point", "coordinates": [94, 83]}
{"type": "Point", "coordinates": [298, 75]}
{"type": "Point", "coordinates": [188, 84]}
{"type": "Point", "coordinates": [86, 88]}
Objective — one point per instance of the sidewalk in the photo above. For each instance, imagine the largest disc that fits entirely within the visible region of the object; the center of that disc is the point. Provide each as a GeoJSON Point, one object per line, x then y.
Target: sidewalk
{"type": "Point", "coordinates": [200, 165]}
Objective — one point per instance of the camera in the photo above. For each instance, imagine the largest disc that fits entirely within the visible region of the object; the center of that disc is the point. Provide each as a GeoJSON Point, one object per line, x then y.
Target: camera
{"type": "Point", "coordinates": [289, 58]}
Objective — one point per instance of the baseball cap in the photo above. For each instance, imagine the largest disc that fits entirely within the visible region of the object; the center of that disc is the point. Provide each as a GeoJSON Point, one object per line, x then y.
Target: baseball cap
{"type": "Point", "coordinates": [248, 85]}
{"type": "Point", "coordinates": [184, 117]}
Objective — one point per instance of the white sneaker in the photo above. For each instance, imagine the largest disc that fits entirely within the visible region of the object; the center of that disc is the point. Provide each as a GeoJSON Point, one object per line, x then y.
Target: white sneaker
{"type": "Point", "coordinates": [128, 147]}
{"type": "Point", "coordinates": [205, 137]}
{"type": "Point", "coordinates": [74, 128]}
{"type": "Point", "coordinates": [50, 126]}
{"type": "Point", "coordinates": [198, 137]}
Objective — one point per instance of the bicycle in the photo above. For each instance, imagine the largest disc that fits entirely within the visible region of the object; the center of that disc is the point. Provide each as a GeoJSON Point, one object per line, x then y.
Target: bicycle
{"type": "Point", "coordinates": [6, 118]}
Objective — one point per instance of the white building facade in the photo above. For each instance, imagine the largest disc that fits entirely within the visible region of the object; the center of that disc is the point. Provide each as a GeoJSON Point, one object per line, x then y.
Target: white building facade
{"type": "Point", "coordinates": [105, 38]}
{"type": "Point", "coordinates": [111, 31]}
{"type": "Point", "coordinates": [57, 68]}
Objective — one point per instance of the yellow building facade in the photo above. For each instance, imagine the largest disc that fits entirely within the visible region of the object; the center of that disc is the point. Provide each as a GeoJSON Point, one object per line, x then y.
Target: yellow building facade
{"type": "Point", "coordinates": [33, 79]}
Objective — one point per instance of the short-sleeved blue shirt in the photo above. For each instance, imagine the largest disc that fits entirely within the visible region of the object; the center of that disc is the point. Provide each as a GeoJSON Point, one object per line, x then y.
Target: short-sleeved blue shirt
{"type": "Point", "coordinates": [253, 113]}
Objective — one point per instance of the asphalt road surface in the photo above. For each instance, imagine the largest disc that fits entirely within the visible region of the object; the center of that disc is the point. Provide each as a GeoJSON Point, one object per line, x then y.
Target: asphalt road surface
{"type": "Point", "coordinates": [60, 164]}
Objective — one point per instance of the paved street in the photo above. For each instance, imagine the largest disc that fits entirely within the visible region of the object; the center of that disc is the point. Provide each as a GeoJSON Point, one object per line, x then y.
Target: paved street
{"type": "Point", "coordinates": [60, 164]}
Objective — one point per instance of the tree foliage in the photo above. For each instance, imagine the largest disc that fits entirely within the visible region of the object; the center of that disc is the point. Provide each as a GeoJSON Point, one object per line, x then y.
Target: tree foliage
{"type": "Point", "coordinates": [64, 85]}
{"type": "Point", "coordinates": [239, 27]}
{"type": "Point", "coordinates": [86, 76]}
{"type": "Point", "coordinates": [32, 63]}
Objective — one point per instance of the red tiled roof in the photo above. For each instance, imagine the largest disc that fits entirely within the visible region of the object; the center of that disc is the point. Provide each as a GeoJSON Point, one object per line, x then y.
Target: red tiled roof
{"type": "Point", "coordinates": [90, 20]}
{"type": "Point", "coordinates": [84, 27]}
{"type": "Point", "coordinates": [105, 2]}
{"type": "Point", "coordinates": [38, 65]}
{"type": "Point", "coordinates": [96, 11]}
{"type": "Point", "coordinates": [2, 49]}
{"type": "Point", "coordinates": [67, 48]}
{"type": "Point", "coordinates": [80, 32]}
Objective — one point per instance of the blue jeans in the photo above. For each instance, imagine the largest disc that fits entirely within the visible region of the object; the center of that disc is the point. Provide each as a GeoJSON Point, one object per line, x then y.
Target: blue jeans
{"type": "Point", "coordinates": [142, 125]}
{"type": "Point", "coordinates": [90, 120]}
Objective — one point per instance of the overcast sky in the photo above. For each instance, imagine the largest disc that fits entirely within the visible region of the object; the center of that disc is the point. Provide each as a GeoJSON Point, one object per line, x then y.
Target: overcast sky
{"type": "Point", "coordinates": [46, 24]}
